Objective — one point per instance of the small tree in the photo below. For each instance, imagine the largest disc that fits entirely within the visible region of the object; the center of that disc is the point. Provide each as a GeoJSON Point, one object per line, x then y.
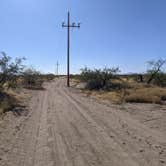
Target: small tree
{"type": "Point", "coordinates": [9, 70]}
{"type": "Point", "coordinates": [155, 69]}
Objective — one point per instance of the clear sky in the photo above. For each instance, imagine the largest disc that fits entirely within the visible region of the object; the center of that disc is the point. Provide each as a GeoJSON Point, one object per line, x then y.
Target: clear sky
{"type": "Point", "coordinates": [124, 33]}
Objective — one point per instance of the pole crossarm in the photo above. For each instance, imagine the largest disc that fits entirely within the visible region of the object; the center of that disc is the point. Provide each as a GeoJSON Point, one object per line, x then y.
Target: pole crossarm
{"type": "Point", "coordinates": [71, 26]}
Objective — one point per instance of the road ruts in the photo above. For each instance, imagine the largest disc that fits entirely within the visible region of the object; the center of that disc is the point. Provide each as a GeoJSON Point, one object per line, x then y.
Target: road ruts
{"type": "Point", "coordinates": [67, 129]}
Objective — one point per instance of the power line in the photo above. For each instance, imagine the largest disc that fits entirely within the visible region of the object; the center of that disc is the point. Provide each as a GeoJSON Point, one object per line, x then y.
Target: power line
{"type": "Point", "coordinates": [68, 26]}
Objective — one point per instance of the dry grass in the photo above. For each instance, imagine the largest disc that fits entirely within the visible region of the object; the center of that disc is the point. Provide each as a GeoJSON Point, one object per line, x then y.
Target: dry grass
{"type": "Point", "coordinates": [134, 92]}
{"type": "Point", "coordinates": [7, 102]}
{"type": "Point", "coordinates": [146, 95]}
{"type": "Point", "coordinates": [75, 82]}
{"type": "Point", "coordinates": [10, 99]}
{"type": "Point", "coordinates": [114, 96]}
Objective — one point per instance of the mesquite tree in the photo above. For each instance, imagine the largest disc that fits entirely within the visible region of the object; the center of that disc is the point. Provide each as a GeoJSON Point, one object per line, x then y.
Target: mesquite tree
{"type": "Point", "coordinates": [9, 70]}
{"type": "Point", "coordinates": [155, 70]}
{"type": "Point", "coordinates": [98, 78]}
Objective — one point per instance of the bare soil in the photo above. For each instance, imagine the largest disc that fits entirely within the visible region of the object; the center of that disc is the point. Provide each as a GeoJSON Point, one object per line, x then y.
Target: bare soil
{"type": "Point", "coordinates": [65, 128]}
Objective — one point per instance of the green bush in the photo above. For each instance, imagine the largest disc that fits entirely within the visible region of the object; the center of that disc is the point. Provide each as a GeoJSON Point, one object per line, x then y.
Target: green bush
{"type": "Point", "coordinates": [32, 79]}
{"type": "Point", "coordinates": [94, 84]}
{"type": "Point", "coordinates": [9, 70]}
{"type": "Point", "coordinates": [98, 78]}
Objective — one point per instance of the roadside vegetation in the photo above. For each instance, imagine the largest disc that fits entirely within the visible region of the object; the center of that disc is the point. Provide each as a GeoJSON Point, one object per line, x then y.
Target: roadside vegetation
{"type": "Point", "coordinates": [15, 76]}
{"type": "Point", "coordinates": [108, 83]}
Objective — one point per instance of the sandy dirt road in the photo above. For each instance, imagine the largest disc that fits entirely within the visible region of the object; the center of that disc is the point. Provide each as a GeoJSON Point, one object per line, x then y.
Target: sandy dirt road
{"type": "Point", "coordinates": [64, 128]}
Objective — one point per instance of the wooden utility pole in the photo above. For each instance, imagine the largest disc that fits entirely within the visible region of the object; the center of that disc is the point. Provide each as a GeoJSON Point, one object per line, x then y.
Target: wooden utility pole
{"type": "Point", "coordinates": [57, 68]}
{"type": "Point", "coordinates": [68, 26]}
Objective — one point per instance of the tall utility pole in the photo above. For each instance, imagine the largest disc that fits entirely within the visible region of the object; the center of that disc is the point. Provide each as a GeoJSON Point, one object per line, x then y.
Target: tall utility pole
{"type": "Point", "coordinates": [57, 68]}
{"type": "Point", "coordinates": [68, 26]}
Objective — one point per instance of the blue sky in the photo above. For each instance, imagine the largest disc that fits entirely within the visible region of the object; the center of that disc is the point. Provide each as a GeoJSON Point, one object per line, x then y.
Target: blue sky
{"type": "Point", "coordinates": [124, 33]}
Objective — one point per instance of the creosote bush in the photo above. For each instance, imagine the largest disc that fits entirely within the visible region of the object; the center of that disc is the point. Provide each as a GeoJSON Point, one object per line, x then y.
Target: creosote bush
{"type": "Point", "coordinates": [32, 79]}
{"type": "Point", "coordinates": [9, 70]}
{"type": "Point", "coordinates": [99, 78]}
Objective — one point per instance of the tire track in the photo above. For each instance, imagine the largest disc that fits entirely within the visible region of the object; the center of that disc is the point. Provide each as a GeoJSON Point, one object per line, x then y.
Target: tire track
{"type": "Point", "coordinates": [65, 129]}
{"type": "Point", "coordinates": [133, 149]}
{"type": "Point", "coordinates": [103, 137]}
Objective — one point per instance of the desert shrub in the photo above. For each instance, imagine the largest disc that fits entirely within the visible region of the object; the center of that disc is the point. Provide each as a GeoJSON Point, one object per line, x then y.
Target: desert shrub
{"type": "Point", "coordinates": [98, 78]}
{"type": "Point", "coordinates": [9, 70]}
{"type": "Point", "coordinates": [94, 84]}
{"type": "Point", "coordinates": [49, 77]}
{"type": "Point", "coordinates": [155, 73]}
{"type": "Point", "coordinates": [9, 73]}
{"type": "Point", "coordinates": [32, 79]}
{"type": "Point", "coordinates": [7, 102]}
{"type": "Point", "coordinates": [75, 76]}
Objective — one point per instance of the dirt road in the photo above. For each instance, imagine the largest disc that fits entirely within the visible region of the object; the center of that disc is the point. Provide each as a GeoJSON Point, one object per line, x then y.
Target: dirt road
{"type": "Point", "coordinates": [64, 128]}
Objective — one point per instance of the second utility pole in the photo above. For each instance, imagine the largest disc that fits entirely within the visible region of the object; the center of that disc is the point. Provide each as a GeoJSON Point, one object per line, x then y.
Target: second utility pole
{"type": "Point", "coordinates": [73, 25]}
{"type": "Point", "coordinates": [57, 67]}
